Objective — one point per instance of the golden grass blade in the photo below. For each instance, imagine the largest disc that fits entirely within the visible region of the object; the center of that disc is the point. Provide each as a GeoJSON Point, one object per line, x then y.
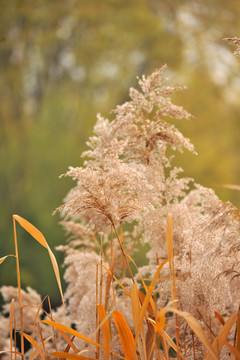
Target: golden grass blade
{"type": "Point", "coordinates": [69, 341]}
{"type": "Point", "coordinates": [37, 235]}
{"type": "Point", "coordinates": [219, 317]}
{"type": "Point", "coordinates": [194, 325]}
{"type": "Point", "coordinates": [136, 309]}
{"type": "Point", "coordinates": [154, 280]}
{"type": "Point", "coordinates": [69, 356]}
{"type": "Point", "coordinates": [220, 339]}
{"type": "Point", "coordinates": [119, 283]}
{"type": "Point", "coordinates": [149, 307]}
{"type": "Point", "coordinates": [148, 299]}
{"type": "Point", "coordinates": [233, 350]}
{"type": "Point", "coordinates": [238, 332]}
{"type": "Point", "coordinates": [19, 287]}
{"type": "Point", "coordinates": [11, 320]}
{"type": "Point", "coordinates": [39, 349]}
{"type": "Point", "coordinates": [135, 305]}
{"type": "Point", "coordinates": [105, 330]}
{"type": "Point", "coordinates": [4, 258]}
{"type": "Point", "coordinates": [171, 343]}
{"type": "Point", "coordinates": [75, 333]}
{"type": "Point", "coordinates": [32, 230]}
{"type": "Point", "coordinates": [125, 334]}
{"type": "Point", "coordinates": [34, 343]}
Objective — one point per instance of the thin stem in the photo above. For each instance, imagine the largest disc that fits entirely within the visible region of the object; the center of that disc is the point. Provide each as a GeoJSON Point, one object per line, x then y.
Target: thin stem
{"type": "Point", "coordinates": [126, 260]}
{"type": "Point", "coordinates": [97, 319]}
{"type": "Point", "coordinates": [19, 287]}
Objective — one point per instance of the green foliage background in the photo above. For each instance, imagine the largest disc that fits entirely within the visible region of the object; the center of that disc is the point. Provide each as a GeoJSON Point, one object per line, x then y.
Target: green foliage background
{"type": "Point", "coordinates": [61, 62]}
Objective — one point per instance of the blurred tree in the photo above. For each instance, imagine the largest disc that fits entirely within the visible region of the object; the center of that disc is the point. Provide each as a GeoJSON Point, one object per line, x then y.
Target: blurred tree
{"type": "Point", "coordinates": [62, 62]}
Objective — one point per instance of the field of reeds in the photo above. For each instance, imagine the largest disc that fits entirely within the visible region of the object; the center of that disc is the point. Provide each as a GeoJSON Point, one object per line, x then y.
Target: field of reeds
{"type": "Point", "coordinates": [185, 303]}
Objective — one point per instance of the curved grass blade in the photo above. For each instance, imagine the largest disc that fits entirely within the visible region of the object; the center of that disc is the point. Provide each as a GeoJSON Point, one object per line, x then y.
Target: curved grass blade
{"type": "Point", "coordinates": [105, 330]}
{"type": "Point", "coordinates": [194, 325]}
{"type": "Point", "coordinates": [233, 350]}
{"type": "Point", "coordinates": [11, 320]}
{"type": "Point", "coordinates": [69, 356]}
{"type": "Point", "coordinates": [125, 334]}
{"type": "Point", "coordinates": [34, 343]}
{"type": "Point", "coordinates": [75, 333]}
{"type": "Point", "coordinates": [37, 235]}
{"type": "Point", "coordinates": [220, 339]}
{"type": "Point", "coordinates": [4, 258]}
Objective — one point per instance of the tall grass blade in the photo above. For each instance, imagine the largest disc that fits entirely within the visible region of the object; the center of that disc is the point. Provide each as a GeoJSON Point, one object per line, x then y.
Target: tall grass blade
{"type": "Point", "coordinates": [233, 350]}
{"type": "Point", "coordinates": [4, 258]}
{"type": "Point", "coordinates": [64, 355]}
{"type": "Point", "coordinates": [220, 339]}
{"type": "Point", "coordinates": [34, 343]}
{"type": "Point", "coordinates": [105, 330]}
{"type": "Point", "coordinates": [39, 349]}
{"type": "Point", "coordinates": [19, 286]}
{"type": "Point", "coordinates": [238, 332]}
{"type": "Point", "coordinates": [194, 325]}
{"type": "Point", "coordinates": [125, 334]}
{"type": "Point", "coordinates": [136, 309]}
{"type": "Point", "coordinates": [169, 241]}
{"type": "Point", "coordinates": [11, 321]}
{"type": "Point", "coordinates": [75, 333]}
{"type": "Point", "coordinates": [37, 235]}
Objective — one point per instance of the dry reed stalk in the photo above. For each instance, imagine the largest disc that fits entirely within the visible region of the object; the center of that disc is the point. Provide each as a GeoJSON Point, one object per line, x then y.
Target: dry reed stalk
{"type": "Point", "coordinates": [11, 322]}
{"type": "Point", "coordinates": [124, 254]}
{"type": "Point", "coordinates": [19, 286]}
{"type": "Point", "coordinates": [169, 240]}
{"type": "Point", "coordinates": [97, 319]}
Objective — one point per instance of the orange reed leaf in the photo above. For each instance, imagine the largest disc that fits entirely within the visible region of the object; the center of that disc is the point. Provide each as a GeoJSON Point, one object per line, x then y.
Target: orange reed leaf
{"type": "Point", "coordinates": [238, 332]}
{"type": "Point", "coordinates": [233, 350]}
{"type": "Point", "coordinates": [125, 334]}
{"type": "Point", "coordinates": [34, 343]}
{"type": "Point", "coordinates": [64, 355]}
{"type": "Point", "coordinates": [148, 298]}
{"type": "Point", "coordinates": [136, 309]}
{"type": "Point", "coordinates": [39, 349]}
{"type": "Point", "coordinates": [11, 320]}
{"type": "Point", "coordinates": [221, 338]}
{"type": "Point", "coordinates": [219, 317]}
{"type": "Point", "coordinates": [149, 307]}
{"type": "Point", "coordinates": [105, 330]}
{"type": "Point", "coordinates": [75, 333]}
{"type": "Point", "coordinates": [4, 258]}
{"type": "Point", "coordinates": [37, 235]}
{"type": "Point", "coordinates": [194, 325]}
{"type": "Point", "coordinates": [119, 283]}
{"type": "Point", "coordinates": [32, 230]}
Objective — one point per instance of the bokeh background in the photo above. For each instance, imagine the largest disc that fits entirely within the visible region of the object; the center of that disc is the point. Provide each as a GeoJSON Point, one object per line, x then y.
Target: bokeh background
{"type": "Point", "coordinates": [61, 62]}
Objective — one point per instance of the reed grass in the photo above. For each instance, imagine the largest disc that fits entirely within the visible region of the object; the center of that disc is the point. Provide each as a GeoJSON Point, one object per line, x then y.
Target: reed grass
{"type": "Point", "coordinates": [155, 331]}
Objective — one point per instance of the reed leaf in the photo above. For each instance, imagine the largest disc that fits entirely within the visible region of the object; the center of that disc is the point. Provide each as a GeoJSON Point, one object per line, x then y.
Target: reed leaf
{"type": "Point", "coordinates": [221, 338]}
{"type": "Point", "coordinates": [34, 343]}
{"type": "Point", "coordinates": [4, 258]}
{"type": "Point", "coordinates": [125, 334]}
{"type": "Point", "coordinates": [75, 333]}
{"type": "Point", "coordinates": [233, 350]}
{"type": "Point", "coordinates": [11, 320]}
{"type": "Point", "coordinates": [38, 236]}
{"type": "Point", "coordinates": [194, 325]}
{"type": "Point", "coordinates": [39, 349]}
{"type": "Point", "coordinates": [64, 355]}
{"type": "Point", "coordinates": [105, 330]}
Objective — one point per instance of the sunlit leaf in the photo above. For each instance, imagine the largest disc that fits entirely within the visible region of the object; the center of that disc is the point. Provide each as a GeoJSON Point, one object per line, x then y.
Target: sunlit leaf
{"type": "Point", "coordinates": [125, 334]}
{"type": "Point", "coordinates": [105, 330]}
{"type": "Point", "coordinates": [37, 235]}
